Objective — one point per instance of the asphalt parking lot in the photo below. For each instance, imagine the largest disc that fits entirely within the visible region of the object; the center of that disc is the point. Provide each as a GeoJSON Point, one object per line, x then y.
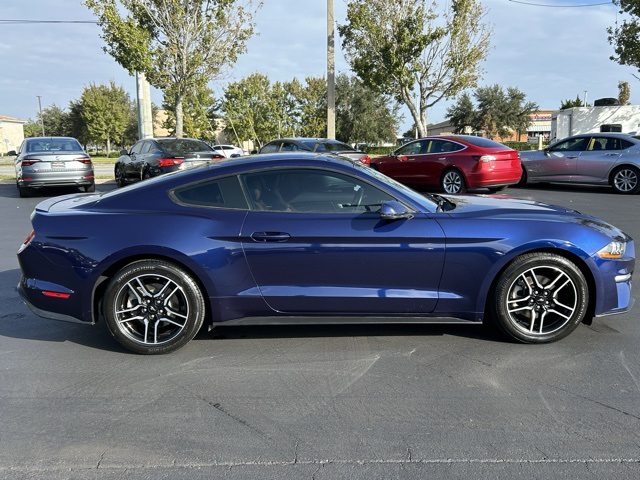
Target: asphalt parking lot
{"type": "Point", "coordinates": [326, 402]}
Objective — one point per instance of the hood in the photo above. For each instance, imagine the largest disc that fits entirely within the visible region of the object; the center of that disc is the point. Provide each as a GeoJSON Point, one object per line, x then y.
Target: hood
{"type": "Point", "coordinates": [506, 208]}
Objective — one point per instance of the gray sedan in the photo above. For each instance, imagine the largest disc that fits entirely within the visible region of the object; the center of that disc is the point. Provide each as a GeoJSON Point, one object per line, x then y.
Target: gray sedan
{"type": "Point", "coordinates": [52, 162]}
{"type": "Point", "coordinates": [592, 158]}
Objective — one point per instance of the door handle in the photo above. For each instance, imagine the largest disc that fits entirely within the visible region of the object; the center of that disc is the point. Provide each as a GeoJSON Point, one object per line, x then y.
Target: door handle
{"type": "Point", "coordinates": [270, 236]}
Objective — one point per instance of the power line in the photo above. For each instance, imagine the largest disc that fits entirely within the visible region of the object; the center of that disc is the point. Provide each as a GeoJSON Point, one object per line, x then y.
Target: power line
{"type": "Point", "coordinates": [16, 22]}
{"type": "Point", "coordinates": [548, 5]}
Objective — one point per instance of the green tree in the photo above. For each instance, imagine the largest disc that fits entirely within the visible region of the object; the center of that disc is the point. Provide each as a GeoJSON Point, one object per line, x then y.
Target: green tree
{"type": "Point", "coordinates": [197, 104]}
{"type": "Point", "coordinates": [497, 113]}
{"type": "Point", "coordinates": [462, 114]}
{"type": "Point", "coordinates": [77, 125]}
{"type": "Point", "coordinates": [56, 121]}
{"type": "Point", "coordinates": [178, 45]}
{"type": "Point", "coordinates": [573, 103]}
{"type": "Point", "coordinates": [105, 110]}
{"type": "Point", "coordinates": [32, 128]}
{"type": "Point", "coordinates": [406, 50]}
{"type": "Point", "coordinates": [313, 107]}
{"type": "Point", "coordinates": [250, 109]}
{"type": "Point", "coordinates": [363, 115]}
{"type": "Point", "coordinates": [625, 37]}
{"type": "Point", "coordinates": [624, 93]}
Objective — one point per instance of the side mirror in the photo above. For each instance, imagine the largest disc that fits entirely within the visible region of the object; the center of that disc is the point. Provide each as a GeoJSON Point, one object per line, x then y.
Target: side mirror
{"type": "Point", "coordinates": [394, 210]}
{"type": "Point", "coordinates": [124, 152]}
{"type": "Point", "coordinates": [12, 153]}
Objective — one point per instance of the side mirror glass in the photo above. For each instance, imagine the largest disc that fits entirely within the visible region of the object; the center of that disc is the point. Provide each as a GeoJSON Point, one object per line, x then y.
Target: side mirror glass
{"type": "Point", "coordinates": [12, 153]}
{"type": "Point", "coordinates": [123, 152]}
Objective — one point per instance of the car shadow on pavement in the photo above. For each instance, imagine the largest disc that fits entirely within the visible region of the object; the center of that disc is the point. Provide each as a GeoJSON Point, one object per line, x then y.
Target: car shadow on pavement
{"type": "Point", "coordinates": [8, 189]}
{"type": "Point", "coordinates": [473, 331]}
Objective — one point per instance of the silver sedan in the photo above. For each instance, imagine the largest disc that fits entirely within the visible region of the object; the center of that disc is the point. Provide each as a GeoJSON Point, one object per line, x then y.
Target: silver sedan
{"type": "Point", "coordinates": [591, 158]}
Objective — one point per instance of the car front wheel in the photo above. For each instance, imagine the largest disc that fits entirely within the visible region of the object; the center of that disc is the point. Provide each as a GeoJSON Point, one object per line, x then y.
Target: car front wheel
{"type": "Point", "coordinates": [540, 298]}
{"type": "Point", "coordinates": [626, 180]}
{"type": "Point", "coordinates": [153, 307]}
{"type": "Point", "coordinates": [453, 182]}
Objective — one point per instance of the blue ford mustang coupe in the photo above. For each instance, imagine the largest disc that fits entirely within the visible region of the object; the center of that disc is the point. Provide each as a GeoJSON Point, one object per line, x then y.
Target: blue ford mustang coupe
{"type": "Point", "coordinates": [293, 238]}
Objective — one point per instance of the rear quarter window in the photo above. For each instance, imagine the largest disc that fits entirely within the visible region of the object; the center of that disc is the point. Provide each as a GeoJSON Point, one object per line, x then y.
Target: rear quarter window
{"type": "Point", "coordinates": [220, 193]}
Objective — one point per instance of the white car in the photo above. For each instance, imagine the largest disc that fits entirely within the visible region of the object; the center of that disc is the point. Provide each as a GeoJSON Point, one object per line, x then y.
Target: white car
{"type": "Point", "coordinates": [229, 150]}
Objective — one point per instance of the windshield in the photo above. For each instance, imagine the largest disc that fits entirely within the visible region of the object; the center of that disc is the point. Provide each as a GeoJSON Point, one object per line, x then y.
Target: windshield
{"type": "Point", "coordinates": [428, 202]}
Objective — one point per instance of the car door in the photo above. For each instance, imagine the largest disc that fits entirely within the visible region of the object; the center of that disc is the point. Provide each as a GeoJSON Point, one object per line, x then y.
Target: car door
{"type": "Point", "coordinates": [601, 154]}
{"type": "Point", "coordinates": [329, 251]}
{"type": "Point", "coordinates": [130, 170]}
{"type": "Point", "coordinates": [407, 163]}
{"type": "Point", "coordinates": [559, 162]}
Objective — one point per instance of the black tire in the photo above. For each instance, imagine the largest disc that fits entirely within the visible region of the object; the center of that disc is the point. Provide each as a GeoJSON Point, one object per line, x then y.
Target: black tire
{"type": "Point", "coordinates": [452, 182]}
{"type": "Point", "coordinates": [119, 176]}
{"type": "Point", "coordinates": [626, 180]}
{"type": "Point", "coordinates": [540, 298]}
{"type": "Point", "coordinates": [146, 175]}
{"type": "Point", "coordinates": [157, 293]}
{"type": "Point", "coordinates": [523, 179]}
{"type": "Point", "coordinates": [24, 192]}
{"type": "Point", "coordinates": [90, 188]}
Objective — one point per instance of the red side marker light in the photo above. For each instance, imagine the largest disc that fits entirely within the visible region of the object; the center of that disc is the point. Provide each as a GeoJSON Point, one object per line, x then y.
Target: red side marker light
{"type": "Point", "coordinates": [47, 293]}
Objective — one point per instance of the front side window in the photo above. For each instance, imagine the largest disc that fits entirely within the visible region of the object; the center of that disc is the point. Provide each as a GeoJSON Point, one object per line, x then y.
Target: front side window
{"type": "Point", "coordinates": [311, 190]}
{"type": "Point", "coordinates": [137, 148]}
{"type": "Point", "coordinates": [414, 148]}
{"type": "Point", "coordinates": [571, 144]}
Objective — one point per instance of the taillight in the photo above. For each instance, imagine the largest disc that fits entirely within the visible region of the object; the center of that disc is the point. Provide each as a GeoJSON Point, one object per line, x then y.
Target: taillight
{"type": "Point", "coordinates": [29, 237]}
{"type": "Point", "coordinates": [86, 161]}
{"type": "Point", "coordinates": [26, 163]}
{"type": "Point", "coordinates": [366, 160]}
{"type": "Point", "coordinates": [26, 241]}
{"type": "Point", "coordinates": [49, 293]}
{"type": "Point", "coordinates": [169, 162]}
{"type": "Point", "coordinates": [484, 158]}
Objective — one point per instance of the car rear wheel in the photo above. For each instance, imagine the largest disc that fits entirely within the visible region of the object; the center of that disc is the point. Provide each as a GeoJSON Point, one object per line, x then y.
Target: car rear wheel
{"type": "Point", "coordinates": [90, 188]}
{"type": "Point", "coordinates": [540, 298]}
{"type": "Point", "coordinates": [153, 307]}
{"type": "Point", "coordinates": [24, 192]}
{"type": "Point", "coordinates": [453, 182]}
{"type": "Point", "coordinates": [626, 180]}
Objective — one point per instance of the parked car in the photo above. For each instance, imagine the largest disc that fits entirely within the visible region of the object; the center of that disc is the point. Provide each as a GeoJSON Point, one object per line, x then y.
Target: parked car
{"type": "Point", "coordinates": [319, 145]}
{"type": "Point", "coordinates": [52, 162]}
{"type": "Point", "coordinates": [452, 163]}
{"type": "Point", "coordinates": [229, 150]}
{"type": "Point", "coordinates": [307, 238]}
{"type": "Point", "coordinates": [591, 158]}
{"type": "Point", "coordinates": [151, 157]}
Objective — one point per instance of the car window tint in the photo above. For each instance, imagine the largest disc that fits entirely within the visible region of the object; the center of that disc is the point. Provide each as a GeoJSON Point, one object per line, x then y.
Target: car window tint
{"type": "Point", "coordinates": [414, 148]}
{"type": "Point", "coordinates": [624, 144]}
{"type": "Point", "coordinates": [146, 147]}
{"type": "Point", "coordinates": [571, 144]}
{"type": "Point", "coordinates": [220, 193]}
{"type": "Point", "coordinates": [136, 148]}
{"type": "Point", "coordinates": [333, 147]}
{"type": "Point", "coordinates": [288, 147]}
{"type": "Point", "coordinates": [269, 148]}
{"type": "Point", "coordinates": [311, 190]}
{"type": "Point", "coordinates": [183, 145]}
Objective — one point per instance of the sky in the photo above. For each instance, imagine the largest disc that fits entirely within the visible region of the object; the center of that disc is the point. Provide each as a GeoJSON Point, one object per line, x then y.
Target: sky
{"type": "Point", "coordinates": [552, 53]}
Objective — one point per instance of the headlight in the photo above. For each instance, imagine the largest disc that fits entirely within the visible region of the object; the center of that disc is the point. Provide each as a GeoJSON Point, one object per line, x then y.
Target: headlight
{"type": "Point", "coordinates": [614, 250]}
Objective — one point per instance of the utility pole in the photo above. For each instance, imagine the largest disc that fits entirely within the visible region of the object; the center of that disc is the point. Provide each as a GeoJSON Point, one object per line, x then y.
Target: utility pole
{"type": "Point", "coordinates": [41, 118]}
{"type": "Point", "coordinates": [331, 73]}
{"type": "Point", "coordinates": [145, 117]}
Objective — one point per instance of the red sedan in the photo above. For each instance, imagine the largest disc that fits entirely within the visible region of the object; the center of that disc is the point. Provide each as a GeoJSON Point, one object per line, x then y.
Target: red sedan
{"type": "Point", "coordinates": [452, 163]}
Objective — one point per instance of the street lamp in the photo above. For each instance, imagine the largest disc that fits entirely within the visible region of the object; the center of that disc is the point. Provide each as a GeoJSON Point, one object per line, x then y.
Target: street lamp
{"type": "Point", "coordinates": [41, 119]}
